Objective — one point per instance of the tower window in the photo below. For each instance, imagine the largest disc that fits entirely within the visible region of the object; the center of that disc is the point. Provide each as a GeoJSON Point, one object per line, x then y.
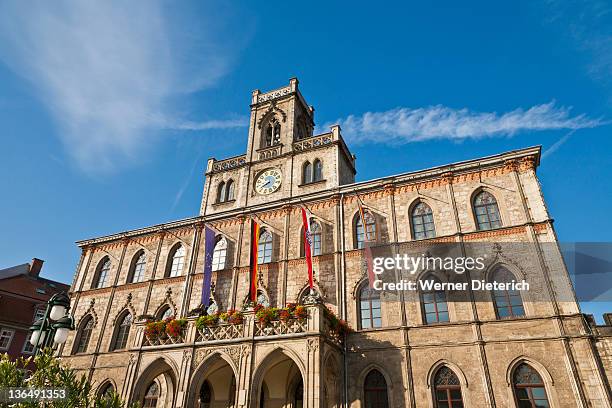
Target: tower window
{"type": "Point", "coordinates": [272, 134]}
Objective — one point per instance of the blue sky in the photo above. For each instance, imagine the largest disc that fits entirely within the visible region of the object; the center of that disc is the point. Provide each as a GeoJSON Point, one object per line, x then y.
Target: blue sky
{"type": "Point", "coordinates": [109, 113]}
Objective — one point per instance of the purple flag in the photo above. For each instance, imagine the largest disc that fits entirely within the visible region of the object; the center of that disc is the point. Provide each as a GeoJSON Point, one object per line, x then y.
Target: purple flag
{"type": "Point", "coordinates": [209, 247]}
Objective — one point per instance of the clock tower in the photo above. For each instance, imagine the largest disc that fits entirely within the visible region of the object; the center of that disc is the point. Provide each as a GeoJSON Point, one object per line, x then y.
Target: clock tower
{"type": "Point", "coordinates": [284, 158]}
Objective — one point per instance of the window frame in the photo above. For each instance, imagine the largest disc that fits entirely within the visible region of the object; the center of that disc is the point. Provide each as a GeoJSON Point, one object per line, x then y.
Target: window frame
{"type": "Point", "coordinates": [480, 226]}
{"type": "Point", "coordinates": [307, 172]}
{"type": "Point", "coordinates": [528, 386]}
{"type": "Point", "coordinates": [266, 250]}
{"type": "Point", "coordinates": [370, 226]}
{"type": "Point", "coordinates": [317, 170]}
{"type": "Point", "coordinates": [435, 302]}
{"type": "Point", "coordinates": [365, 289]}
{"type": "Point", "coordinates": [102, 280]}
{"type": "Point", "coordinates": [447, 389]}
{"type": "Point", "coordinates": [422, 217]}
{"type": "Point", "coordinates": [4, 330]}
{"type": "Point", "coordinates": [505, 294]}
{"type": "Point", "coordinates": [141, 267]}
{"type": "Point", "coordinates": [171, 271]}
{"type": "Point", "coordinates": [78, 341]}
{"type": "Point", "coordinates": [369, 389]}
{"type": "Point", "coordinates": [122, 332]}
{"type": "Point", "coordinates": [219, 255]}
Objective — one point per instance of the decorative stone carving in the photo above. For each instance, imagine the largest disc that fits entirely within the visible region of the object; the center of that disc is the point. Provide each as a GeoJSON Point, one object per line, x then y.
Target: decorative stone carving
{"type": "Point", "coordinates": [277, 93]}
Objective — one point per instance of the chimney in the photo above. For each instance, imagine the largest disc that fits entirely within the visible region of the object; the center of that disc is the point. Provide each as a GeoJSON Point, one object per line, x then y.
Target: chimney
{"type": "Point", "coordinates": [36, 266]}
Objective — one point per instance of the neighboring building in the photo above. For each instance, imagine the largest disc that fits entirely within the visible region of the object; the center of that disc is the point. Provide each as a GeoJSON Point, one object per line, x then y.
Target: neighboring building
{"type": "Point", "coordinates": [23, 299]}
{"type": "Point", "coordinates": [411, 350]}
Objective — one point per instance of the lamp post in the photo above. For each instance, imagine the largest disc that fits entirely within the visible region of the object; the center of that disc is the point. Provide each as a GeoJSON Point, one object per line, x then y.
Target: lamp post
{"type": "Point", "coordinates": [53, 327]}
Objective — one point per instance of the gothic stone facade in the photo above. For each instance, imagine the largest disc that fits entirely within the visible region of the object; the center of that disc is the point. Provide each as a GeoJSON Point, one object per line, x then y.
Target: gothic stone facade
{"type": "Point", "coordinates": [395, 363]}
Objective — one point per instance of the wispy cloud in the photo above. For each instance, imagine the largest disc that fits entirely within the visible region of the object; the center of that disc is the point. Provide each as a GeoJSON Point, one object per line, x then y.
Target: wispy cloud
{"type": "Point", "coordinates": [403, 125]}
{"type": "Point", "coordinates": [558, 144]}
{"type": "Point", "coordinates": [109, 70]}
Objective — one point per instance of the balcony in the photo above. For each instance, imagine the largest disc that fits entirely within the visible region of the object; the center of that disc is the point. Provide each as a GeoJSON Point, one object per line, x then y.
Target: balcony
{"type": "Point", "coordinates": [318, 321]}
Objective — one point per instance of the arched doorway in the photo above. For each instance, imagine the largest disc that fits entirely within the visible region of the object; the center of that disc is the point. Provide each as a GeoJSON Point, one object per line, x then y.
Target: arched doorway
{"type": "Point", "coordinates": [280, 382]}
{"type": "Point", "coordinates": [156, 386]}
{"type": "Point", "coordinates": [213, 384]}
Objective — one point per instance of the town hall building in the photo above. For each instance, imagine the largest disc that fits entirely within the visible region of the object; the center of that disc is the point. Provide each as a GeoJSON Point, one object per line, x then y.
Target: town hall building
{"type": "Point", "coordinates": [436, 348]}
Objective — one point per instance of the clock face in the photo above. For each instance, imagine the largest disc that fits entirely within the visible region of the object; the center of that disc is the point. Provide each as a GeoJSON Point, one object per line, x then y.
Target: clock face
{"type": "Point", "coordinates": [268, 181]}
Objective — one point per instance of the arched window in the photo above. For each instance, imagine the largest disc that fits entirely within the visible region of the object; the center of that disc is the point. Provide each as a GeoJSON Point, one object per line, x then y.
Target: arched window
{"type": "Point", "coordinates": [221, 192]}
{"type": "Point", "coordinates": [219, 255]}
{"type": "Point", "coordinates": [447, 389]}
{"type": "Point", "coordinates": [307, 173]}
{"type": "Point", "coordinates": [369, 234]}
{"type": "Point", "coordinates": [435, 308]}
{"type": "Point", "coordinates": [369, 308]}
{"type": "Point", "coordinates": [375, 390]}
{"type": "Point", "coordinates": [164, 313]}
{"type": "Point", "coordinates": [264, 249]}
{"type": "Point", "coordinates": [529, 389]}
{"type": "Point", "coordinates": [486, 211]}
{"type": "Point", "coordinates": [138, 267]}
{"type": "Point", "coordinates": [317, 174]}
{"type": "Point", "coordinates": [84, 334]}
{"type": "Point", "coordinates": [272, 134]}
{"type": "Point", "coordinates": [508, 303]}
{"type": "Point", "coordinates": [151, 396]}
{"type": "Point", "coordinates": [205, 395]}
{"type": "Point", "coordinates": [422, 222]}
{"type": "Point", "coordinates": [229, 187]}
{"type": "Point", "coordinates": [315, 236]}
{"type": "Point", "coordinates": [103, 273]}
{"type": "Point", "coordinates": [106, 390]}
{"type": "Point", "coordinates": [177, 261]}
{"type": "Point", "coordinates": [123, 332]}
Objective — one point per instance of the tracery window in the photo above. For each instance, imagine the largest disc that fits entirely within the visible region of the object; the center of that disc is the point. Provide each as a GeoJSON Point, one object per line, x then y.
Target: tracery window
{"type": "Point", "coordinates": [435, 307]}
{"type": "Point", "coordinates": [422, 222]}
{"type": "Point", "coordinates": [151, 396]}
{"type": "Point", "coordinates": [272, 135]}
{"type": "Point", "coordinates": [84, 335]}
{"type": "Point", "coordinates": [103, 275]}
{"type": "Point", "coordinates": [177, 261]}
{"type": "Point", "coordinates": [375, 390]}
{"type": "Point", "coordinates": [369, 308]}
{"type": "Point", "coordinates": [360, 233]}
{"type": "Point", "coordinates": [529, 389]}
{"type": "Point", "coordinates": [486, 211]}
{"type": "Point", "coordinates": [219, 255]}
{"type": "Point", "coordinates": [138, 268]}
{"type": "Point", "coordinates": [264, 249]}
{"type": "Point", "coordinates": [508, 303]}
{"type": "Point", "coordinates": [447, 389]}
{"type": "Point", "coordinates": [123, 332]}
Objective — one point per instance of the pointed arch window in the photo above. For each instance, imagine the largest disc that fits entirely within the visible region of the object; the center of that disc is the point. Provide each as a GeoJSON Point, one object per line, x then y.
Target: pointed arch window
{"type": "Point", "coordinates": [272, 133]}
{"type": "Point", "coordinates": [486, 211]}
{"type": "Point", "coordinates": [122, 332]}
{"type": "Point", "coordinates": [84, 335]}
{"type": "Point", "coordinates": [221, 192]}
{"type": "Point", "coordinates": [375, 390]}
{"type": "Point", "coordinates": [307, 173]}
{"type": "Point", "coordinates": [106, 390]}
{"type": "Point", "coordinates": [219, 255]}
{"type": "Point", "coordinates": [447, 389]}
{"type": "Point", "coordinates": [151, 396]}
{"type": "Point", "coordinates": [361, 234]}
{"type": "Point", "coordinates": [229, 190]}
{"type": "Point", "coordinates": [422, 222]}
{"type": "Point", "coordinates": [264, 248]}
{"type": "Point", "coordinates": [103, 274]}
{"type": "Point", "coordinates": [317, 174]}
{"type": "Point", "coordinates": [508, 303]}
{"type": "Point", "coordinates": [165, 313]}
{"type": "Point", "coordinates": [177, 261]}
{"type": "Point", "coordinates": [138, 267]}
{"type": "Point", "coordinates": [369, 308]}
{"type": "Point", "coordinates": [529, 389]}
{"type": "Point", "coordinates": [435, 308]}
{"type": "Point", "coordinates": [316, 237]}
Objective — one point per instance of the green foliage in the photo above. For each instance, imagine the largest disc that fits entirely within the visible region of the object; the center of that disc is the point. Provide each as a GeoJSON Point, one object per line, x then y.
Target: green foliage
{"type": "Point", "coordinates": [207, 321]}
{"type": "Point", "coordinates": [51, 374]}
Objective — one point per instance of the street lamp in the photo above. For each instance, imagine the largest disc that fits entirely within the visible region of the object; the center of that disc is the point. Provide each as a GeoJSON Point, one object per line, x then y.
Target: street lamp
{"type": "Point", "coordinates": [53, 327]}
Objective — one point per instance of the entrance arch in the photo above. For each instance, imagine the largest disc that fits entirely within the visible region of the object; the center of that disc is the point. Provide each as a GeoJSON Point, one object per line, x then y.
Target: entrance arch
{"type": "Point", "coordinates": [156, 386]}
{"type": "Point", "coordinates": [213, 384]}
{"type": "Point", "coordinates": [279, 381]}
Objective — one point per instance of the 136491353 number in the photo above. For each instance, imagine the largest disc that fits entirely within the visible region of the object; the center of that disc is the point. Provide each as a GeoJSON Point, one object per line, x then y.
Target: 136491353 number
{"type": "Point", "coordinates": [14, 395]}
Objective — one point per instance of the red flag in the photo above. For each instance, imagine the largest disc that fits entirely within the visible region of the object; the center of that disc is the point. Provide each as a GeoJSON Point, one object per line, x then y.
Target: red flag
{"type": "Point", "coordinates": [253, 264]}
{"type": "Point", "coordinates": [307, 244]}
{"type": "Point", "coordinates": [366, 244]}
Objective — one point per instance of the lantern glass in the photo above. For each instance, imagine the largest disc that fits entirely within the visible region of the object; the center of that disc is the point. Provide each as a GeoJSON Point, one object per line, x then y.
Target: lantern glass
{"type": "Point", "coordinates": [57, 312]}
{"type": "Point", "coordinates": [61, 335]}
{"type": "Point", "coordinates": [34, 337]}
